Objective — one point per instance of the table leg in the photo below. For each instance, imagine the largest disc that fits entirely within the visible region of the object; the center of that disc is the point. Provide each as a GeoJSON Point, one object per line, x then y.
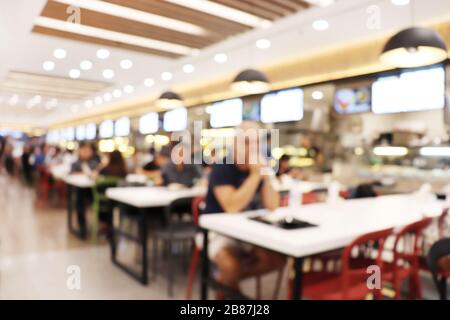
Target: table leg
{"type": "Point", "coordinates": [204, 278]}
{"type": "Point", "coordinates": [298, 269]}
{"type": "Point", "coordinates": [69, 207]}
{"type": "Point", "coordinates": [143, 232]}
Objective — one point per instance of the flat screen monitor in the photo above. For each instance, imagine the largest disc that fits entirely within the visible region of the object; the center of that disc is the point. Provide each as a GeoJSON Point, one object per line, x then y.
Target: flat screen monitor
{"type": "Point", "coordinates": [175, 120]}
{"type": "Point", "coordinates": [122, 127]}
{"type": "Point", "coordinates": [91, 131]}
{"type": "Point", "coordinates": [80, 133]}
{"type": "Point", "coordinates": [251, 110]}
{"type": "Point", "coordinates": [52, 137]}
{"type": "Point", "coordinates": [352, 100]}
{"type": "Point", "coordinates": [149, 123]}
{"type": "Point", "coordinates": [282, 106]}
{"type": "Point", "coordinates": [106, 129]}
{"type": "Point", "coordinates": [417, 90]}
{"type": "Point", "coordinates": [226, 113]}
{"type": "Point", "coordinates": [69, 134]}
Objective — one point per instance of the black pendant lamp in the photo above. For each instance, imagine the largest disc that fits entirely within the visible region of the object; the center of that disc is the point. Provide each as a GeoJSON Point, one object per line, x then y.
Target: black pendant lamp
{"type": "Point", "coordinates": [414, 47]}
{"type": "Point", "coordinates": [170, 100]}
{"type": "Point", "coordinates": [251, 81]}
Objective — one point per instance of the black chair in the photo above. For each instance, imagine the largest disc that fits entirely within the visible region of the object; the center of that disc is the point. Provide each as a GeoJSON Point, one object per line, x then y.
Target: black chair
{"type": "Point", "coordinates": [439, 250]}
{"type": "Point", "coordinates": [178, 229]}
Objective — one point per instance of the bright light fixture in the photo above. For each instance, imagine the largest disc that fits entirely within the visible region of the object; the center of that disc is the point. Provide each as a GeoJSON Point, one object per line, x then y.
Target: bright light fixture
{"type": "Point", "coordinates": [117, 93]}
{"type": "Point", "coordinates": [126, 64]}
{"type": "Point", "coordinates": [435, 151]}
{"type": "Point", "coordinates": [107, 96]}
{"type": "Point", "coordinates": [320, 25]}
{"type": "Point", "coordinates": [400, 2]}
{"type": "Point", "coordinates": [224, 12]}
{"type": "Point", "coordinates": [188, 68]}
{"type": "Point", "coordinates": [89, 104]}
{"type": "Point", "coordinates": [317, 95]}
{"type": "Point", "coordinates": [263, 44]}
{"type": "Point", "coordinates": [86, 65]}
{"type": "Point", "coordinates": [390, 151]}
{"type": "Point", "coordinates": [128, 89]}
{"type": "Point", "coordinates": [98, 100]}
{"type": "Point", "coordinates": [221, 58]}
{"type": "Point", "coordinates": [149, 82]}
{"type": "Point", "coordinates": [74, 73]}
{"type": "Point", "coordinates": [60, 53]}
{"type": "Point", "coordinates": [108, 74]}
{"type": "Point", "coordinates": [114, 36]}
{"type": "Point", "coordinates": [321, 3]}
{"type": "Point", "coordinates": [48, 65]}
{"type": "Point", "coordinates": [166, 76]}
{"type": "Point", "coordinates": [51, 104]}
{"type": "Point", "coordinates": [13, 100]}
{"type": "Point", "coordinates": [137, 15]}
{"type": "Point", "coordinates": [103, 54]}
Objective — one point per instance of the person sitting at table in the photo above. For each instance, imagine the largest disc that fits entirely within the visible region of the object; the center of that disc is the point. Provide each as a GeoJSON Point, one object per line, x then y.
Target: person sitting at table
{"type": "Point", "coordinates": [86, 164]}
{"type": "Point", "coordinates": [233, 188]}
{"type": "Point", "coordinates": [153, 168]}
{"type": "Point", "coordinates": [178, 170]}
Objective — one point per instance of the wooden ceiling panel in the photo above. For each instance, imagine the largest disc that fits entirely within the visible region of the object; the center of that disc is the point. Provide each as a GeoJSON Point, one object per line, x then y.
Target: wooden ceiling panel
{"type": "Point", "coordinates": [217, 29]}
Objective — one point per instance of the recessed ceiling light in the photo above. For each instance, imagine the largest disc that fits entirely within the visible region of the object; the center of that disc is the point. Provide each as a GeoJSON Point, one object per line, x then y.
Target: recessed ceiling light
{"type": "Point", "coordinates": [103, 53]}
{"type": "Point", "coordinates": [37, 98]}
{"type": "Point", "coordinates": [400, 2]}
{"type": "Point", "coordinates": [89, 104]}
{"type": "Point", "coordinates": [128, 89]}
{"type": "Point", "coordinates": [13, 100]}
{"type": "Point", "coordinates": [221, 58]}
{"type": "Point", "coordinates": [86, 65]}
{"type": "Point", "coordinates": [317, 95]}
{"type": "Point", "coordinates": [126, 64]}
{"type": "Point", "coordinates": [108, 74]}
{"type": "Point", "coordinates": [128, 13]}
{"type": "Point", "coordinates": [107, 96]}
{"type": "Point", "coordinates": [30, 104]}
{"type": "Point", "coordinates": [166, 76]}
{"type": "Point", "coordinates": [117, 93]}
{"type": "Point", "coordinates": [51, 104]}
{"type": "Point", "coordinates": [60, 53]}
{"type": "Point", "coordinates": [48, 65]}
{"type": "Point", "coordinates": [74, 73]}
{"type": "Point", "coordinates": [149, 82]}
{"type": "Point", "coordinates": [188, 68]}
{"type": "Point", "coordinates": [98, 100]}
{"type": "Point", "coordinates": [320, 25]}
{"type": "Point", "coordinates": [263, 44]}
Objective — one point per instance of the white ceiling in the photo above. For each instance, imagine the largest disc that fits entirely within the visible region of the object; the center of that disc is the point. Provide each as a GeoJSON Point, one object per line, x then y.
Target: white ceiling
{"type": "Point", "coordinates": [24, 51]}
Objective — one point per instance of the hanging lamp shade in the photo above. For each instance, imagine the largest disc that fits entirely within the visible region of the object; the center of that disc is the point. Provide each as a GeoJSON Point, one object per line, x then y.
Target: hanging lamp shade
{"type": "Point", "coordinates": [414, 47]}
{"type": "Point", "coordinates": [170, 100]}
{"type": "Point", "coordinates": [251, 81]}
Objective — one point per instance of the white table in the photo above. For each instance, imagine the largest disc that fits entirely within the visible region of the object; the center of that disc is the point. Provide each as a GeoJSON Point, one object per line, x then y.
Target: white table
{"type": "Point", "coordinates": [142, 199]}
{"type": "Point", "coordinates": [79, 181]}
{"type": "Point", "coordinates": [338, 224]}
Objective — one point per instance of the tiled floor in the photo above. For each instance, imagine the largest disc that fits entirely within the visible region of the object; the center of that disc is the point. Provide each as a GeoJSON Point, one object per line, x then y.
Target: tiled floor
{"type": "Point", "coordinates": [36, 251]}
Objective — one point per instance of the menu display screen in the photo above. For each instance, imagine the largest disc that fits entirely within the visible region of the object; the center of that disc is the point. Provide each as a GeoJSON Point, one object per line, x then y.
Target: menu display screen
{"type": "Point", "coordinates": [352, 100]}
{"type": "Point", "coordinates": [81, 133]}
{"type": "Point", "coordinates": [122, 127]}
{"type": "Point", "coordinates": [106, 129]}
{"type": "Point", "coordinates": [175, 120]}
{"type": "Point", "coordinates": [91, 131]}
{"type": "Point", "coordinates": [227, 113]}
{"type": "Point", "coordinates": [149, 123]}
{"type": "Point", "coordinates": [282, 106]}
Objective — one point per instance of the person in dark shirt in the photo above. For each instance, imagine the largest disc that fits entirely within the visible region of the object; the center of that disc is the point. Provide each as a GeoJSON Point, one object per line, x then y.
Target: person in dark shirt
{"type": "Point", "coordinates": [153, 168]}
{"type": "Point", "coordinates": [233, 188]}
{"type": "Point", "coordinates": [179, 171]}
{"type": "Point", "coordinates": [115, 167]}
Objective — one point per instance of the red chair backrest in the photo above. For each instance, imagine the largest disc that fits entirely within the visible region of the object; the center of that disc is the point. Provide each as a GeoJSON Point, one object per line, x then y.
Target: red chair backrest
{"type": "Point", "coordinates": [197, 204]}
{"type": "Point", "coordinates": [375, 240]}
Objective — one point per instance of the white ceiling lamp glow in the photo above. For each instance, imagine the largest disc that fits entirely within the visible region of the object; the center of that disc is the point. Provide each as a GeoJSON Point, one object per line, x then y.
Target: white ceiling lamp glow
{"type": "Point", "coordinates": [53, 103]}
{"type": "Point", "coordinates": [166, 76]}
{"type": "Point", "coordinates": [224, 12]}
{"type": "Point", "coordinates": [128, 89]}
{"type": "Point", "coordinates": [435, 152]}
{"type": "Point", "coordinates": [320, 3]}
{"type": "Point", "coordinates": [126, 64]}
{"type": "Point", "coordinates": [170, 100]}
{"type": "Point", "coordinates": [251, 81]}
{"type": "Point", "coordinates": [400, 2]}
{"type": "Point", "coordinates": [107, 96]}
{"type": "Point", "coordinates": [89, 104]}
{"type": "Point", "coordinates": [105, 34]}
{"type": "Point", "coordinates": [60, 53]}
{"type": "Point", "coordinates": [317, 95]}
{"type": "Point", "coordinates": [263, 44]}
{"type": "Point", "coordinates": [108, 74]}
{"type": "Point", "coordinates": [48, 65]}
{"type": "Point", "coordinates": [98, 100]}
{"type": "Point", "coordinates": [74, 73]}
{"type": "Point", "coordinates": [117, 93]}
{"type": "Point", "coordinates": [86, 65]}
{"type": "Point", "coordinates": [14, 100]}
{"type": "Point", "coordinates": [390, 151]}
{"type": "Point", "coordinates": [136, 15]}
{"type": "Point", "coordinates": [320, 25]}
{"type": "Point", "coordinates": [103, 54]}
{"type": "Point", "coordinates": [149, 82]}
{"type": "Point", "coordinates": [221, 58]}
{"type": "Point", "coordinates": [188, 68]}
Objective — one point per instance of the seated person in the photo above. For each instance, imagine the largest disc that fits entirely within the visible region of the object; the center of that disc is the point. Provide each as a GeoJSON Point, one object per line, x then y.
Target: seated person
{"type": "Point", "coordinates": [178, 171]}
{"type": "Point", "coordinates": [233, 188]}
{"type": "Point", "coordinates": [85, 164]}
{"type": "Point", "coordinates": [153, 168]}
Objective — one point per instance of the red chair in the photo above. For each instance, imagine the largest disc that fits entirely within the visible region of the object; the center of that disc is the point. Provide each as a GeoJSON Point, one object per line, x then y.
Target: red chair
{"type": "Point", "coordinates": [442, 223]}
{"type": "Point", "coordinates": [197, 205]}
{"type": "Point", "coordinates": [351, 282]}
{"type": "Point", "coordinates": [44, 185]}
{"type": "Point", "coordinates": [407, 252]}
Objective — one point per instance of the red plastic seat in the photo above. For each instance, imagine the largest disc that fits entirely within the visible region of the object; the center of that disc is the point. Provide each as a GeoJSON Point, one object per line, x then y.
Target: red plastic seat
{"type": "Point", "coordinates": [351, 282]}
